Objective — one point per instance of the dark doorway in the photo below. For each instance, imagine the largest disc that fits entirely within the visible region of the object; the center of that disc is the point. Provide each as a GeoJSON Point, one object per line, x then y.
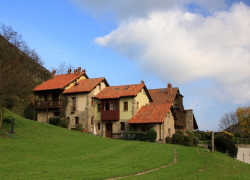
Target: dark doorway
{"type": "Point", "coordinates": [109, 130]}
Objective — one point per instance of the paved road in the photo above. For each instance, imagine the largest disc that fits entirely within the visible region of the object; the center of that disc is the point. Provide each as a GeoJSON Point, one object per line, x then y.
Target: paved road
{"type": "Point", "coordinates": [246, 152]}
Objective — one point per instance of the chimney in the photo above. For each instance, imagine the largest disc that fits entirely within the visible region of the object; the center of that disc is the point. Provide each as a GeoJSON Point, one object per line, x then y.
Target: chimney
{"type": "Point", "coordinates": [79, 70]}
{"type": "Point", "coordinates": [69, 71]}
{"type": "Point", "coordinates": [83, 71]}
{"type": "Point", "coordinates": [142, 82]}
{"type": "Point", "coordinates": [169, 88]}
{"type": "Point", "coordinates": [75, 71]}
{"type": "Point", "coordinates": [53, 74]}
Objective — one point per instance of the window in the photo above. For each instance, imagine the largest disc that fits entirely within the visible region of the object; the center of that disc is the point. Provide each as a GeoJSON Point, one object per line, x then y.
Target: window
{"type": "Point", "coordinates": [92, 101]}
{"type": "Point", "coordinates": [122, 126]}
{"type": "Point", "coordinates": [169, 131]}
{"type": "Point", "coordinates": [100, 87]}
{"type": "Point", "coordinates": [125, 106]}
{"type": "Point", "coordinates": [137, 105]}
{"type": "Point", "coordinates": [109, 105]}
{"type": "Point", "coordinates": [92, 120]}
{"type": "Point", "coordinates": [99, 126]}
{"type": "Point", "coordinates": [98, 107]}
{"type": "Point", "coordinates": [76, 120]}
{"type": "Point", "coordinates": [73, 104]}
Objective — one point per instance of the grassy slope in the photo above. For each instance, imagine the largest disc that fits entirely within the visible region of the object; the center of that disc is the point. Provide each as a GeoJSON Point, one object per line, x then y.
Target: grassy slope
{"type": "Point", "coordinates": [42, 151]}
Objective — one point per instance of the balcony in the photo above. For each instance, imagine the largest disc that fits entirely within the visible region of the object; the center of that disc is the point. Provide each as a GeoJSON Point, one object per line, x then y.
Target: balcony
{"type": "Point", "coordinates": [48, 104]}
{"type": "Point", "coordinates": [113, 115]}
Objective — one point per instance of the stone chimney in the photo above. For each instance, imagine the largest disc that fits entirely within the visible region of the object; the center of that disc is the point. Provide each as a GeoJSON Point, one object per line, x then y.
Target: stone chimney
{"type": "Point", "coordinates": [79, 70]}
{"type": "Point", "coordinates": [142, 82]}
{"type": "Point", "coordinates": [169, 88]}
{"type": "Point", "coordinates": [75, 71]}
{"type": "Point", "coordinates": [83, 71]}
{"type": "Point", "coordinates": [53, 74]}
{"type": "Point", "coordinates": [69, 71]}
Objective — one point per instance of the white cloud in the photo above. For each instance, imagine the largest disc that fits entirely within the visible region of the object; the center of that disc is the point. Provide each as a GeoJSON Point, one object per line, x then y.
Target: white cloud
{"type": "Point", "coordinates": [184, 47]}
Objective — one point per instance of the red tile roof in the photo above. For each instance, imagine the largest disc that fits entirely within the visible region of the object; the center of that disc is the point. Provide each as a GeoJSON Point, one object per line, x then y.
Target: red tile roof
{"type": "Point", "coordinates": [85, 85]}
{"type": "Point", "coordinates": [121, 91]}
{"type": "Point", "coordinates": [161, 96]}
{"type": "Point", "coordinates": [151, 114]}
{"type": "Point", "coordinates": [59, 82]}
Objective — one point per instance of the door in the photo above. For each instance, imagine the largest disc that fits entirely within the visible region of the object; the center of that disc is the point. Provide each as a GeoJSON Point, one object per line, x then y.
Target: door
{"type": "Point", "coordinates": [109, 130]}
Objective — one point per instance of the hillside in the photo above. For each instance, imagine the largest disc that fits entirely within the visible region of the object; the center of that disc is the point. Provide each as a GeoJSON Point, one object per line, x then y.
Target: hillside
{"type": "Point", "coordinates": [43, 151]}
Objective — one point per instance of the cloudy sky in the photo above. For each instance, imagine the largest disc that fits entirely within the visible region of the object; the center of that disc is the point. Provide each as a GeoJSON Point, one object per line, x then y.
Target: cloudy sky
{"type": "Point", "coordinates": [200, 46]}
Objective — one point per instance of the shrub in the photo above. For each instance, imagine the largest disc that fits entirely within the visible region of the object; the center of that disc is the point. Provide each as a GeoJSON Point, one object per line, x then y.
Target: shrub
{"type": "Point", "coordinates": [142, 136]}
{"type": "Point", "coordinates": [177, 138]}
{"type": "Point", "coordinates": [28, 112]}
{"type": "Point", "coordinates": [203, 135]}
{"type": "Point", "coordinates": [179, 132]}
{"type": "Point", "coordinates": [64, 122]}
{"type": "Point", "coordinates": [237, 135]}
{"type": "Point", "coordinates": [190, 133]}
{"type": "Point", "coordinates": [168, 140]}
{"type": "Point", "coordinates": [186, 144]}
{"type": "Point", "coordinates": [225, 145]}
{"type": "Point", "coordinates": [195, 141]}
{"type": "Point", "coordinates": [79, 127]}
{"type": "Point", "coordinates": [55, 121]}
{"type": "Point", "coordinates": [197, 135]}
{"type": "Point", "coordinates": [189, 140]}
{"type": "Point", "coordinates": [152, 134]}
{"type": "Point", "coordinates": [7, 120]}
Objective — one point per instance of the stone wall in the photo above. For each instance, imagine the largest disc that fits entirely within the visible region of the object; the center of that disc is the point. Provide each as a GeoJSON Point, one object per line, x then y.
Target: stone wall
{"type": "Point", "coordinates": [189, 120]}
{"type": "Point", "coordinates": [42, 115]}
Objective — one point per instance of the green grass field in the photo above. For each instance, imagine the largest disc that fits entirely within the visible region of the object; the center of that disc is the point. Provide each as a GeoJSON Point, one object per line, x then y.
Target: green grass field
{"type": "Point", "coordinates": [43, 151]}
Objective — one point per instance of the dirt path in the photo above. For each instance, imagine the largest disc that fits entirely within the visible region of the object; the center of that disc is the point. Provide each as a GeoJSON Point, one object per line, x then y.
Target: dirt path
{"type": "Point", "coordinates": [138, 174]}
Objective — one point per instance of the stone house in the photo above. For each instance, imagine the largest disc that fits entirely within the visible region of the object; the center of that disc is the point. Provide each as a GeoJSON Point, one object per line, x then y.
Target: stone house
{"type": "Point", "coordinates": [183, 118]}
{"type": "Point", "coordinates": [49, 99]}
{"type": "Point", "coordinates": [80, 103]}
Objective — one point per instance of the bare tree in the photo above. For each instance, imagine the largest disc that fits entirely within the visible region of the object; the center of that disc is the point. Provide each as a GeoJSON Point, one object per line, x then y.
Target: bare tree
{"type": "Point", "coordinates": [228, 120]}
{"type": "Point", "coordinates": [62, 68]}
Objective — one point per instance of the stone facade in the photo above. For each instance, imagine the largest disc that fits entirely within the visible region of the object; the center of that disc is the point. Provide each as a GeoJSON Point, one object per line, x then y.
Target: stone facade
{"type": "Point", "coordinates": [42, 115]}
{"type": "Point", "coordinates": [189, 120]}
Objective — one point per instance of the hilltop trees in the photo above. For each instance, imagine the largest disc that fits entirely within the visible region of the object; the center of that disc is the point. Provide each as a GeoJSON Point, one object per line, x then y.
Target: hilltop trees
{"type": "Point", "coordinates": [17, 69]}
{"type": "Point", "coordinates": [243, 114]}
{"type": "Point", "coordinates": [228, 120]}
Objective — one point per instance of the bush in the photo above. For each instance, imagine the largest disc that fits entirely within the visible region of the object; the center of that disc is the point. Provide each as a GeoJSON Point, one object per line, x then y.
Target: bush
{"type": "Point", "coordinates": [197, 135]}
{"type": "Point", "coordinates": [55, 121]}
{"type": "Point", "coordinates": [177, 138]}
{"type": "Point", "coordinates": [79, 127]}
{"type": "Point", "coordinates": [190, 133]}
{"type": "Point", "coordinates": [186, 144]}
{"type": "Point", "coordinates": [225, 145]}
{"type": "Point", "coordinates": [64, 122]}
{"type": "Point", "coordinates": [142, 136]}
{"type": "Point", "coordinates": [189, 140]}
{"type": "Point", "coordinates": [28, 112]}
{"type": "Point", "coordinates": [168, 140]}
{"type": "Point", "coordinates": [152, 134]}
{"type": "Point", "coordinates": [237, 135]}
{"type": "Point", "coordinates": [7, 120]}
{"type": "Point", "coordinates": [179, 132]}
{"type": "Point", "coordinates": [195, 141]}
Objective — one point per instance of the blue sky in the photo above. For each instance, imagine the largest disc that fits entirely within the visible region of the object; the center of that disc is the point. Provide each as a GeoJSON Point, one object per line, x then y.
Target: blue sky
{"type": "Point", "coordinates": [200, 46]}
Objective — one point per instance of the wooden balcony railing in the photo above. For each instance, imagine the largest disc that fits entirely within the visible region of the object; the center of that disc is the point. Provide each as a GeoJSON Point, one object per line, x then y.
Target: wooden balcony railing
{"type": "Point", "coordinates": [48, 104]}
{"type": "Point", "coordinates": [110, 115]}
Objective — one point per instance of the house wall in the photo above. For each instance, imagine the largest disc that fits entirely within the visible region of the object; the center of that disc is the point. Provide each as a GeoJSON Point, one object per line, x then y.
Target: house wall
{"type": "Point", "coordinates": [189, 120]}
{"type": "Point", "coordinates": [126, 114]}
{"type": "Point", "coordinates": [84, 110]}
{"type": "Point", "coordinates": [73, 83]}
{"type": "Point", "coordinates": [42, 115]}
{"type": "Point", "coordinates": [142, 99]}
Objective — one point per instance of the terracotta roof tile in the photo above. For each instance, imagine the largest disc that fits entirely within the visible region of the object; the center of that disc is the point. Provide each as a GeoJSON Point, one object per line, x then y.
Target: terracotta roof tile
{"type": "Point", "coordinates": [59, 82]}
{"type": "Point", "coordinates": [151, 114]}
{"type": "Point", "coordinates": [120, 91]}
{"type": "Point", "coordinates": [85, 85]}
{"type": "Point", "coordinates": [161, 96]}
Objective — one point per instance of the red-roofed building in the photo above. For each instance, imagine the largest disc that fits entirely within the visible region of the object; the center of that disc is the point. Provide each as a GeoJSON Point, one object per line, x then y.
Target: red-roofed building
{"type": "Point", "coordinates": [184, 119]}
{"type": "Point", "coordinates": [116, 105]}
{"type": "Point", "coordinates": [158, 117]}
{"type": "Point", "coordinates": [80, 103]}
{"type": "Point", "coordinates": [68, 95]}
